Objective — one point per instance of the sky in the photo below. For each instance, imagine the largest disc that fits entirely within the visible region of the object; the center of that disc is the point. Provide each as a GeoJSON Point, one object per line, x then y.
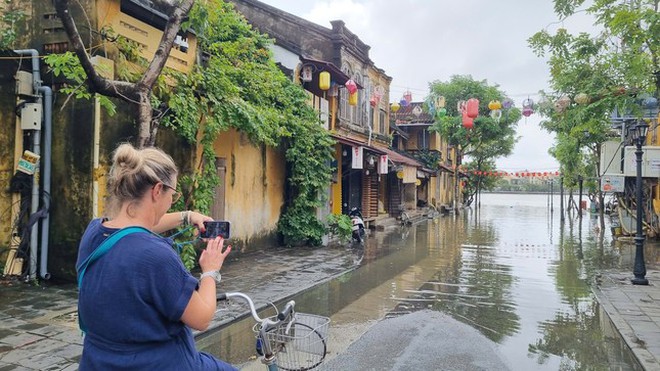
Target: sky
{"type": "Point", "coordinates": [417, 42]}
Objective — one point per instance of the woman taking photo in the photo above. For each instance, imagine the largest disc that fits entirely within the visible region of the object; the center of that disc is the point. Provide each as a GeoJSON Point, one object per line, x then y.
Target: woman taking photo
{"type": "Point", "coordinates": [137, 302]}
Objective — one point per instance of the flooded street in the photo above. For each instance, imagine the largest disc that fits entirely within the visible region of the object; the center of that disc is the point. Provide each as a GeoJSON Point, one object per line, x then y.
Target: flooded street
{"type": "Point", "coordinates": [510, 271]}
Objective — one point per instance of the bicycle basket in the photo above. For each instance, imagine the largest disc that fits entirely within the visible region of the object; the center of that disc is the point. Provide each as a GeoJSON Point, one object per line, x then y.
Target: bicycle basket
{"type": "Point", "coordinates": [304, 346]}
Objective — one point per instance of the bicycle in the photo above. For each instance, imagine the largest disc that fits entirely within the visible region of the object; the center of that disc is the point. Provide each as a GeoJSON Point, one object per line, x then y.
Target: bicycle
{"type": "Point", "coordinates": [289, 340]}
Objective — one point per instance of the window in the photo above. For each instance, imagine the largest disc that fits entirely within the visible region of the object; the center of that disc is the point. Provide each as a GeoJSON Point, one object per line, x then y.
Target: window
{"type": "Point", "coordinates": [422, 139]}
{"type": "Point", "coordinates": [382, 125]}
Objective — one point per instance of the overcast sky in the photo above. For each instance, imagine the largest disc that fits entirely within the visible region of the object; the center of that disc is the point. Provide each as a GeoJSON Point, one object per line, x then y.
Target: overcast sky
{"type": "Point", "coordinates": [420, 41]}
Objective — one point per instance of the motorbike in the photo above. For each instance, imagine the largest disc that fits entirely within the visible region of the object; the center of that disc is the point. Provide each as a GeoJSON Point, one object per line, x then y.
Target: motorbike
{"type": "Point", "coordinates": [357, 221]}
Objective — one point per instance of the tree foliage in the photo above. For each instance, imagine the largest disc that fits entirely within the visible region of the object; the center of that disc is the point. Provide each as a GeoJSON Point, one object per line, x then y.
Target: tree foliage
{"type": "Point", "coordinates": [10, 17]}
{"type": "Point", "coordinates": [613, 67]}
{"type": "Point", "coordinates": [489, 139]}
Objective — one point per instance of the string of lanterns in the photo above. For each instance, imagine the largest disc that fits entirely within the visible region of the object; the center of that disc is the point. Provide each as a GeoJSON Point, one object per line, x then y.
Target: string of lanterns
{"type": "Point", "coordinates": [519, 174]}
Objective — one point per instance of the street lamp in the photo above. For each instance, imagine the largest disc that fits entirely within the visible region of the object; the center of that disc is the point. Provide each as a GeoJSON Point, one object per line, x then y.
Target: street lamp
{"type": "Point", "coordinates": [639, 132]}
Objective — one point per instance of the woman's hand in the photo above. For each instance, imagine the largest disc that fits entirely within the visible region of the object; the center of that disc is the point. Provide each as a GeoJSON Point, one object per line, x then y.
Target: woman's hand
{"type": "Point", "coordinates": [213, 256]}
{"type": "Point", "coordinates": [198, 219]}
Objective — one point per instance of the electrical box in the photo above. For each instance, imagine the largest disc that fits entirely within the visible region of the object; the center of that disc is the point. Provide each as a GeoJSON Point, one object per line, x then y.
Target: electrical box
{"type": "Point", "coordinates": [24, 83]}
{"type": "Point", "coordinates": [31, 116]}
{"type": "Point", "coordinates": [611, 161]}
{"type": "Point", "coordinates": [650, 162]}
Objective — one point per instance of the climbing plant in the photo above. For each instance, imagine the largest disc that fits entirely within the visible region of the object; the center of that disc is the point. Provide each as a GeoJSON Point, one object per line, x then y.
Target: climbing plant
{"type": "Point", "coordinates": [240, 86]}
{"type": "Point", "coordinates": [237, 85]}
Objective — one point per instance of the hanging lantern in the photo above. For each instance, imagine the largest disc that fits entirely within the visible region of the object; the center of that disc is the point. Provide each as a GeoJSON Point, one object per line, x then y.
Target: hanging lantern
{"type": "Point", "coordinates": [418, 182]}
{"type": "Point", "coordinates": [494, 105]}
{"type": "Point", "coordinates": [441, 102]}
{"type": "Point", "coordinates": [403, 102]}
{"type": "Point", "coordinates": [394, 107]}
{"type": "Point", "coordinates": [468, 122]}
{"type": "Point", "coordinates": [557, 173]}
{"type": "Point", "coordinates": [507, 103]}
{"type": "Point", "coordinates": [442, 112]}
{"type": "Point", "coordinates": [527, 112]}
{"type": "Point", "coordinates": [496, 115]}
{"type": "Point", "coordinates": [562, 104]}
{"type": "Point", "coordinates": [407, 96]}
{"type": "Point", "coordinates": [306, 74]}
{"type": "Point", "coordinates": [373, 102]}
{"type": "Point", "coordinates": [528, 103]}
{"type": "Point", "coordinates": [472, 108]}
{"type": "Point", "coordinates": [324, 80]}
{"type": "Point", "coordinates": [581, 98]}
{"type": "Point", "coordinates": [351, 86]}
{"type": "Point", "coordinates": [353, 99]}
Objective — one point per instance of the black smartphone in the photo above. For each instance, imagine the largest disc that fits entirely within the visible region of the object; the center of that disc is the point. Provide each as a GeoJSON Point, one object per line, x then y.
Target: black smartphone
{"type": "Point", "coordinates": [216, 228]}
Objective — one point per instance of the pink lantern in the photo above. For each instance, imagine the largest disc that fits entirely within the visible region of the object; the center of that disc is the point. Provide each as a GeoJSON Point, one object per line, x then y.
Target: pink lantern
{"type": "Point", "coordinates": [507, 103]}
{"type": "Point", "coordinates": [527, 112]}
{"type": "Point", "coordinates": [351, 86]}
{"type": "Point", "coordinates": [373, 101]}
{"type": "Point", "coordinates": [472, 108]}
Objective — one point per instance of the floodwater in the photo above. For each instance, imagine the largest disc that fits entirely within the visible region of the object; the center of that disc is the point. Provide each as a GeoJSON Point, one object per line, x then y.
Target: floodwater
{"type": "Point", "coordinates": [511, 270]}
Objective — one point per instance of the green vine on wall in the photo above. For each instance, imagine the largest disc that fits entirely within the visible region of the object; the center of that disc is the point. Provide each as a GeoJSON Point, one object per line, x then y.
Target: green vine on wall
{"type": "Point", "coordinates": [237, 86]}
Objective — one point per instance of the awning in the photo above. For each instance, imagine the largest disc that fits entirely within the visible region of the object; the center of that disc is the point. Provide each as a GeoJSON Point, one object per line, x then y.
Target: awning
{"type": "Point", "coordinates": [357, 143]}
{"type": "Point", "coordinates": [399, 158]}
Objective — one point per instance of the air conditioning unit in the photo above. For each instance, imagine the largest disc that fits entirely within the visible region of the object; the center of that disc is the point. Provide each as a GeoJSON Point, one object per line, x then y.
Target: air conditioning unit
{"type": "Point", "coordinates": [650, 162]}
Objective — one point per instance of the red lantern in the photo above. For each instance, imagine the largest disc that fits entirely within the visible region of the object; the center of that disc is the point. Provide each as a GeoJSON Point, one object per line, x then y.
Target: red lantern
{"type": "Point", "coordinates": [351, 86]}
{"type": "Point", "coordinates": [517, 174]}
{"type": "Point", "coordinates": [545, 173]}
{"type": "Point", "coordinates": [472, 108]}
{"type": "Point", "coordinates": [556, 173]}
{"type": "Point", "coordinates": [468, 122]}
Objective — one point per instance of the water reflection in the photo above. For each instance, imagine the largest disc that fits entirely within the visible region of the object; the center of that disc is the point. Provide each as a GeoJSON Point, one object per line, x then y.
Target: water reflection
{"type": "Point", "coordinates": [510, 270]}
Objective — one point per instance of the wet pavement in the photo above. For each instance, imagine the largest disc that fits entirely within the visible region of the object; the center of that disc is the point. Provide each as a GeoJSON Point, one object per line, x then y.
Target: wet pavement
{"type": "Point", "coordinates": [38, 330]}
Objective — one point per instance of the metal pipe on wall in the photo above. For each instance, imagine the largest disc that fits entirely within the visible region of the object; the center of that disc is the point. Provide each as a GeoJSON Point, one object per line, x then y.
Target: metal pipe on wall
{"type": "Point", "coordinates": [46, 161]}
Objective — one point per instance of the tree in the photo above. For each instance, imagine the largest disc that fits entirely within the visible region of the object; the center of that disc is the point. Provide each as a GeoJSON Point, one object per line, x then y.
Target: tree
{"type": "Point", "coordinates": [139, 92]}
{"type": "Point", "coordinates": [611, 69]}
{"type": "Point", "coordinates": [490, 138]}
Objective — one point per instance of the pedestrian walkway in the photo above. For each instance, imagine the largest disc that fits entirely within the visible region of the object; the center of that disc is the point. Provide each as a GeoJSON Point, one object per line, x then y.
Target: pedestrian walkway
{"type": "Point", "coordinates": [39, 326]}
{"type": "Point", "coordinates": [635, 312]}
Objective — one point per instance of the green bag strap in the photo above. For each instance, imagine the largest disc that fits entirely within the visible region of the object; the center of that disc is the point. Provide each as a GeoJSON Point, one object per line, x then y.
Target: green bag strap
{"type": "Point", "coordinates": [101, 250]}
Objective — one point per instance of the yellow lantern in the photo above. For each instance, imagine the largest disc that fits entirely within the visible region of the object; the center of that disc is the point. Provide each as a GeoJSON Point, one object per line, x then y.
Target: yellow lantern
{"type": "Point", "coordinates": [441, 102]}
{"type": "Point", "coordinates": [494, 104]}
{"type": "Point", "coordinates": [418, 182]}
{"type": "Point", "coordinates": [324, 80]}
{"type": "Point", "coordinates": [353, 99]}
{"type": "Point", "coordinates": [399, 174]}
{"type": "Point", "coordinates": [394, 107]}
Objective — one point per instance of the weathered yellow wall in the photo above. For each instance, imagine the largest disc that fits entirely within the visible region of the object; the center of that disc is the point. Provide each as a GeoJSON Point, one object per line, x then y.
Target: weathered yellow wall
{"type": "Point", "coordinates": [146, 36]}
{"type": "Point", "coordinates": [254, 188]}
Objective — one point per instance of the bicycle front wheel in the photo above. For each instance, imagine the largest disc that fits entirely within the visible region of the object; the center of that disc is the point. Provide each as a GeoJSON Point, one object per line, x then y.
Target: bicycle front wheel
{"type": "Point", "coordinates": [304, 346]}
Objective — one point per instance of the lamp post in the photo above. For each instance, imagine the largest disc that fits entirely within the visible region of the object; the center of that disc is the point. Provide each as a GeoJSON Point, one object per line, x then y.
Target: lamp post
{"type": "Point", "coordinates": [639, 137]}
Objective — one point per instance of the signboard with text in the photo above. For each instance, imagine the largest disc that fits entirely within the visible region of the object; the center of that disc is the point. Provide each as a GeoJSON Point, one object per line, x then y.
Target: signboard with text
{"type": "Point", "coordinates": [358, 158]}
{"type": "Point", "coordinates": [612, 183]}
{"type": "Point", "coordinates": [382, 164]}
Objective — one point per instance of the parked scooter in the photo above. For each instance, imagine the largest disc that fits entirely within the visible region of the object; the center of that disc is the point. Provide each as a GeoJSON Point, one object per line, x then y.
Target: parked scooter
{"type": "Point", "coordinates": [358, 224]}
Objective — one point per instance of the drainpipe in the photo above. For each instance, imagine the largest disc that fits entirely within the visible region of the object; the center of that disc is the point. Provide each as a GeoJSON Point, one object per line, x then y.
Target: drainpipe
{"type": "Point", "coordinates": [46, 160]}
{"type": "Point", "coordinates": [95, 156]}
{"type": "Point", "coordinates": [34, 207]}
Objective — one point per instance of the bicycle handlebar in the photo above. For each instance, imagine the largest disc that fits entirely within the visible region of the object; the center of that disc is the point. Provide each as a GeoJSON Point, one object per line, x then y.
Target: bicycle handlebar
{"type": "Point", "coordinates": [286, 312]}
